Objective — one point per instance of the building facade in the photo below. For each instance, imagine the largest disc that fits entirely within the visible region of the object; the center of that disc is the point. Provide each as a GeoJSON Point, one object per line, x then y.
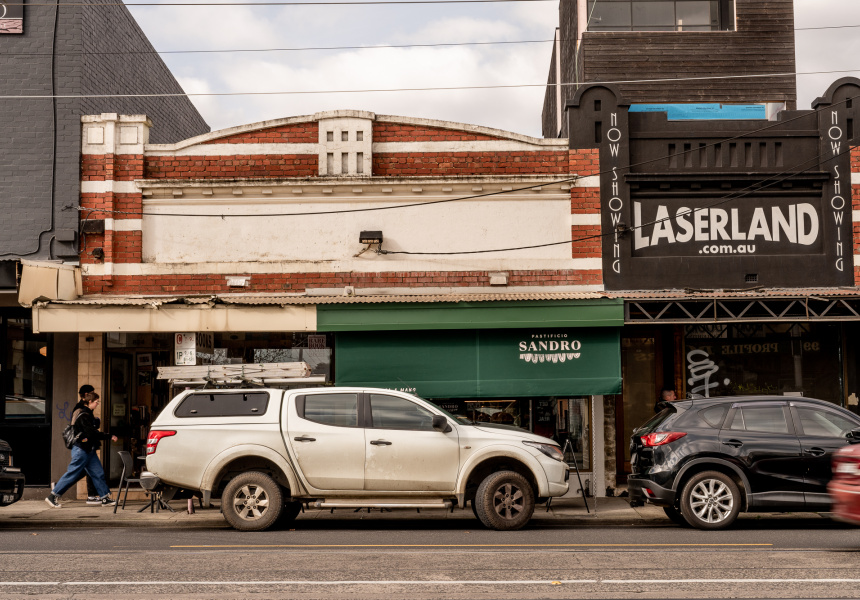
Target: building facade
{"type": "Point", "coordinates": [385, 251]}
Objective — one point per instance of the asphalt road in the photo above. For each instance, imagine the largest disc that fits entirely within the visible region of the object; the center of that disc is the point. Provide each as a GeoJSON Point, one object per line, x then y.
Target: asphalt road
{"type": "Point", "coordinates": [406, 558]}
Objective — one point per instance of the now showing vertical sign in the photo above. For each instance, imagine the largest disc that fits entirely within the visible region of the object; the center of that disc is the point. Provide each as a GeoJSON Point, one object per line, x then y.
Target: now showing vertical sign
{"type": "Point", "coordinates": [12, 16]}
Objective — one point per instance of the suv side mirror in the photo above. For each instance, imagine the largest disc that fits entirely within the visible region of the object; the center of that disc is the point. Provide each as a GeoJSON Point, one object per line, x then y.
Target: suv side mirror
{"type": "Point", "coordinates": [853, 436]}
{"type": "Point", "coordinates": [440, 423]}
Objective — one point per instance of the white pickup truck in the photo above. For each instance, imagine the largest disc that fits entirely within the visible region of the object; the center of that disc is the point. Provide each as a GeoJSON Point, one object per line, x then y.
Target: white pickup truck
{"type": "Point", "coordinates": [265, 452]}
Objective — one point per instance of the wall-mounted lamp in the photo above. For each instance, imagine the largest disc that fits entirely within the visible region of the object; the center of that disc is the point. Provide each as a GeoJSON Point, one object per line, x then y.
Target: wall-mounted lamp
{"type": "Point", "coordinates": [370, 237]}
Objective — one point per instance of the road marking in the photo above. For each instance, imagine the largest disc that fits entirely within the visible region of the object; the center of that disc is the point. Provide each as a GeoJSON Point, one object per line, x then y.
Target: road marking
{"type": "Point", "coordinates": [465, 545]}
{"type": "Point", "coordinates": [428, 582]}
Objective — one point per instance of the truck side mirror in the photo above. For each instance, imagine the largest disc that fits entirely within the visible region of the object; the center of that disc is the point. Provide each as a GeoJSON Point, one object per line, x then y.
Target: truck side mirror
{"type": "Point", "coordinates": [440, 423]}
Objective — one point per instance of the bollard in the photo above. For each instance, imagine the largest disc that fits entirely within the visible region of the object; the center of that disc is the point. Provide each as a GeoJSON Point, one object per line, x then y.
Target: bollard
{"type": "Point", "coordinates": [191, 506]}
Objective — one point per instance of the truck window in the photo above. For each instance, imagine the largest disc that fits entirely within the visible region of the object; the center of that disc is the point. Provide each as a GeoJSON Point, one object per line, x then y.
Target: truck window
{"type": "Point", "coordinates": [340, 410]}
{"type": "Point", "coordinates": [393, 412]}
{"type": "Point", "coordinates": [248, 404]}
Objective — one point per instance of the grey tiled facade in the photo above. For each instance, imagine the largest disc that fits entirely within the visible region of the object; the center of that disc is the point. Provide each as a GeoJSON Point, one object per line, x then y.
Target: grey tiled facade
{"type": "Point", "coordinates": [71, 50]}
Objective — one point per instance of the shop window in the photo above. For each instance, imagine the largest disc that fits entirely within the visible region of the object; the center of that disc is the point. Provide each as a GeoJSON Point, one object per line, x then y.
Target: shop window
{"type": "Point", "coordinates": [739, 359]}
{"type": "Point", "coordinates": [391, 412]}
{"type": "Point", "coordinates": [660, 15]}
{"type": "Point", "coordinates": [26, 373]}
{"type": "Point", "coordinates": [224, 405]}
{"type": "Point", "coordinates": [339, 410]}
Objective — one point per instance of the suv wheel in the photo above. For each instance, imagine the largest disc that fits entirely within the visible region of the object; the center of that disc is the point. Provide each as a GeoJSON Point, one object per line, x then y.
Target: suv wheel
{"type": "Point", "coordinates": [710, 500]}
{"type": "Point", "coordinates": [505, 501]}
{"type": "Point", "coordinates": [252, 501]}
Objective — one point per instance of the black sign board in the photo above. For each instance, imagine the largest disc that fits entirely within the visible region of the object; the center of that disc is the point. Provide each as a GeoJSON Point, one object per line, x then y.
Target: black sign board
{"type": "Point", "coordinates": [12, 16]}
{"type": "Point", "coordinates": [722, 204]}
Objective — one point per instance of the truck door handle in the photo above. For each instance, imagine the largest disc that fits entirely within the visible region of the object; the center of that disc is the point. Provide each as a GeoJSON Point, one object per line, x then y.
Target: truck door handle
{"type": "Point", "coordinates": [380, 443]}
{"type": "Point", "coordinates": [735, 443]}
{"type": "Point", "coordinates": [304, 438]}
{"type": "Point", "coordinates": [815, 451]}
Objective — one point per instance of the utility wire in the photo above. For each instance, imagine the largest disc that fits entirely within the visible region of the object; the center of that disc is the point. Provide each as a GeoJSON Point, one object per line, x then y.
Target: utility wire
{"type": "Point", "coordinates": [427, 89]}
{"type": "Point", "coordinates": [331, 48]}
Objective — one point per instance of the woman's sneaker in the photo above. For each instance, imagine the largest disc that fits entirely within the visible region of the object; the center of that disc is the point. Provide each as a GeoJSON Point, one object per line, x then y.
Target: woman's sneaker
{"type": "Point", "coordinates": [107, 501]}
{"type": "Point", "coordinates": [94, 500]}
{"type": "Point", "coordinates": [53, 501]}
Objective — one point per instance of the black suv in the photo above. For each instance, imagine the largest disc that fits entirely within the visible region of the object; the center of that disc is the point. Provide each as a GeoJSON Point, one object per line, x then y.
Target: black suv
{"type": "Point", "coordinates": [11, 478]}
{"type": "Point", "coordinates": [706, 460]}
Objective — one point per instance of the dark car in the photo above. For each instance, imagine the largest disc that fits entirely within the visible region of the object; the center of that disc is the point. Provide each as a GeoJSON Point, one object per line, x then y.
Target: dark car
{"type": "Point", "coordinates": [11, 477]}
{"type": "Point", "coordinates": [706, 460]}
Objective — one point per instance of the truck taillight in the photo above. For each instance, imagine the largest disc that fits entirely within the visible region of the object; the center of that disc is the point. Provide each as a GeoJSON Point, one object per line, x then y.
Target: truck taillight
{"type": "Point", "coordinates": [153, 439]}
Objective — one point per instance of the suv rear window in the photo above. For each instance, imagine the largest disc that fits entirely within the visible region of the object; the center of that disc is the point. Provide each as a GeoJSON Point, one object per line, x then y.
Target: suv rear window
{"type": "Point", "coordinates": [241, 404]}
{"type": "Point", "coordinates": [712, 416]}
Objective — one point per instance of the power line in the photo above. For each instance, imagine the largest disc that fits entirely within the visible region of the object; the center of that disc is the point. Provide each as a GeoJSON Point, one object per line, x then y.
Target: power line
{"type": "Point", "coordinates": [428, 89]}
{"type": "Point", "coordinates": [331, 48]}
{"type": "Point", "coordinates": [325, 3]}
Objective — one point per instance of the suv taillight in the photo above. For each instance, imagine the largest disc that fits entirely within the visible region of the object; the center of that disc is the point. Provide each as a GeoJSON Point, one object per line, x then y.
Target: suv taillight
{"type": "Point", "coordinates": [846, 467]}
{"type": "Point", "coordinates": [661, 437]}
{"type": "Point", "coordinates": [154, 437]}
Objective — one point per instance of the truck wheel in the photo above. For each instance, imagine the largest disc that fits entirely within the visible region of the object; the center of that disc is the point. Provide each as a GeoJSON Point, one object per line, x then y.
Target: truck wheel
{"type": "Point", "coordinates": [710, 500]}
{"type": "Point", "coordinates": [252, 502]}
{"type": "Point", "coordinates": [505, 501]}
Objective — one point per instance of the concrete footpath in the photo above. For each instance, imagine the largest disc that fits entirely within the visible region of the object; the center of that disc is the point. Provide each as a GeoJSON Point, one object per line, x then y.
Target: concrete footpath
{"type": "Point", "coordinates": [571, 512]}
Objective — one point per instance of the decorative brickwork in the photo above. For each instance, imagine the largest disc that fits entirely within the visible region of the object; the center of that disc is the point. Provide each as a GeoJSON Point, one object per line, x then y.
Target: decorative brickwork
{"type": "Point", "coordinates": [299, 282]}
{"type": "Point", "coordinates": [300, 133]}
{"type": "Point", "coordinates": [418, 164]}
{"type": "Point", "coordinates": [195, 167]}
{"type": "Point", "coordinates": [395, 132]}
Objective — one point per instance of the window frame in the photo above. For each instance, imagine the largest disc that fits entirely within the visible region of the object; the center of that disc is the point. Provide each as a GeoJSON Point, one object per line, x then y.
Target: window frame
{"type": "Point", "coordinates": [726, 18]}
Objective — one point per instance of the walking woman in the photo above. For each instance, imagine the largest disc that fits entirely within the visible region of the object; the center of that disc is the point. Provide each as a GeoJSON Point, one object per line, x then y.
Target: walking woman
{"type": "Point", "coordinates": [84, 457]}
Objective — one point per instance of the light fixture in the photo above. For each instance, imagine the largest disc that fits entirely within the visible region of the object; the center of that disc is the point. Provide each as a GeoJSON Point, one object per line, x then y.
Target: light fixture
{"type": "Point", "coordinates": [370, 237]}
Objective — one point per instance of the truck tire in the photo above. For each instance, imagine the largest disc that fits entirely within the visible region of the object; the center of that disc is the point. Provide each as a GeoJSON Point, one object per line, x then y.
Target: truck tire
{"type": "Point", "coordinates": [505, 501]}
{"type": "Point", "coordinates": [710, 500]}
{"type": "Point", "coordinates": [252, 501]}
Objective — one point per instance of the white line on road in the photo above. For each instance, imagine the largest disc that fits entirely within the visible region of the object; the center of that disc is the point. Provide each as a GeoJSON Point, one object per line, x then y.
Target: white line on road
{"type": "Point", "coordinates": [431, 582]}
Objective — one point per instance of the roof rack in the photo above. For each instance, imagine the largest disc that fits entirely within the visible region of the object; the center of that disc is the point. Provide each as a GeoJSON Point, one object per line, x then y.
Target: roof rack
{"type": "Point", "coordinates": [258, 374]}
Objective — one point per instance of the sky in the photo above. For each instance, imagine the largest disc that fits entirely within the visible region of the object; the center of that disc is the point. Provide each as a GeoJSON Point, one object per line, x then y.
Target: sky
{"type": "Point", "coordinates": [325, 72]}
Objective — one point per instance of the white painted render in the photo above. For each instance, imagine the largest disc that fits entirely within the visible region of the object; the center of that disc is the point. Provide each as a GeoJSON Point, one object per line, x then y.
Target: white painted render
{"type": "Point", "coordinates": [110, 133]}
{"type": "Point", "coordinates": [462, 225]}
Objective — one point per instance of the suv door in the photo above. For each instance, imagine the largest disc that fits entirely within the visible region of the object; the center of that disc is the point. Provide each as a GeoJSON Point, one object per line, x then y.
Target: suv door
{"type": "Point", "coordinates": [324, 433]}
{"type": "Point", "coordinates": [821, 432]}
{"type": "Point", "coordinates": [404, 452]}
{"type": "Point", "coordinates": [760, 438]}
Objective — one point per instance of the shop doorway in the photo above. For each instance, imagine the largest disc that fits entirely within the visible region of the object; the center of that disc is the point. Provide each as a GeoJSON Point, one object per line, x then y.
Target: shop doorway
{"type": "Point", "coordinates": [644, 354]}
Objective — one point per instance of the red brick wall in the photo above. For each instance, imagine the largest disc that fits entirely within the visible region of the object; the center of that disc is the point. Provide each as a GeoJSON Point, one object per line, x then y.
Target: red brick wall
{"type": "Point", "coordinates": [585, 162]}
{"type": "Point", "coordinates": [416, 164]}
{"type": "Point", "coordinates": [299, 282]}
{"type": "Point", "coordinates": [299, 133]}
{"type": "Point", "coordinates": [394, 132]}
{"type": "Point", "coordinates": [192, 167]}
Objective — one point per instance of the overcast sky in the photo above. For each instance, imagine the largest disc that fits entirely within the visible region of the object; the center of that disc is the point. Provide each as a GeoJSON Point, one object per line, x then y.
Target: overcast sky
{"type": "Point", "coordinates": [518, 109]}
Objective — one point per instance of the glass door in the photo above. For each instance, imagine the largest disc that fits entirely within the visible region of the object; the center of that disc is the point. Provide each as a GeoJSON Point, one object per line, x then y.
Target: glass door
{"type": "Point", "coordinates": [638, 394]}
{"type": "Point", "coordinates": [116, 412]}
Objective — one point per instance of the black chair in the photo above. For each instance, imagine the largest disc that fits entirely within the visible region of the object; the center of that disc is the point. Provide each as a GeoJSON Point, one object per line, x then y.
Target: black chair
{"type": "Point", "coordinates": [127, 469]}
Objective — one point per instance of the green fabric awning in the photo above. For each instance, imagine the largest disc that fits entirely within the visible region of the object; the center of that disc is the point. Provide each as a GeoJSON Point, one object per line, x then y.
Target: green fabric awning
{"type": "Point", "coordinates": [602, 312]}
{"type": "Point", "coordinates": [483, 363]}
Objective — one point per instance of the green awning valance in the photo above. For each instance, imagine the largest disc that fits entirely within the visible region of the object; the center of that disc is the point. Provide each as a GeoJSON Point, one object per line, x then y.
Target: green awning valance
{"type": "Point", "coordinates": [483, 363]}
{"type": "Point", "coordinates": [603, 312]}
